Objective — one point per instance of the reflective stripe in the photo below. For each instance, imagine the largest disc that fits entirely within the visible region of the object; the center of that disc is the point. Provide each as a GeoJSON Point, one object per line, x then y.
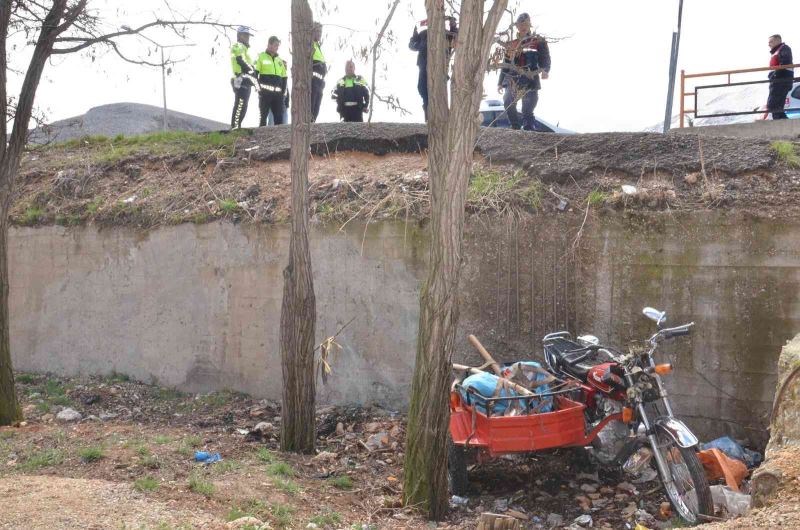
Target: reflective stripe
{"type": "Point", "coordinates": [269, 65]}
{"type": "Point", "coordinates": [319, 75]}
{"type": "Point", "coordinates": [271, 88]}
{"type": "Point", "coordinates": [530, 49]}
{"type": "Point", "coordinates": [351, 103]}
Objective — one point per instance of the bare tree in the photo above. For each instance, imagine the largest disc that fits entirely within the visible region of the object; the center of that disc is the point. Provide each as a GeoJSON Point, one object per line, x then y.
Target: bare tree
{"type": "Point", "coordinates": [299, 310]}
{"type": "Point", "coordinates": [451, 142]}
{"type": "Point", "coordinates": [50, 27]}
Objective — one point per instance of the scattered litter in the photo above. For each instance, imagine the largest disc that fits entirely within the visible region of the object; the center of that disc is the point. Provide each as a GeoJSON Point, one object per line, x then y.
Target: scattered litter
{"type": "Point", "coordinates": [734, 503]}
{"type": "Point", "coordinates": [627, 189]}
{"type": "Point", "coordinates": [247, 150]}
{"type": "Point", "coordinates": [735, 450]}
{"type": "Point", "coordinates": [638, 461]}
{"type": "Point", "coordinates": [718, 465]}
{"type": "Point", "coordinates": [500, 505]}
{"type": "Point", "coordinates": [246, 522]}
{"type": "Point", "coordinates": [584, 521]}
{"type": "Point", "coordinates": [69, 415]}
{"type": "Point", "coordinates": [554, 519]}
{"type": "Point", "coordinates": [377, 441]}
{"type": "Point", "coordinates": [562, 205]}
{"type": "Point", "coordinates": [455, 500]}
{"type": "Point", "coordinates": [647, 475]}
{"type": "Point", "coordinates": [130, 199]}
{"type": "Point", "coordinates": [243, 432]}
{"type": "Point", "coordinates": [207, 458]}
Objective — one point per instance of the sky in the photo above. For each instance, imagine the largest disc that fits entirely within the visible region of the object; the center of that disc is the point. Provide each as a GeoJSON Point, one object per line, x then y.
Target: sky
{"type": "Point", "coordinates": [609, 60]}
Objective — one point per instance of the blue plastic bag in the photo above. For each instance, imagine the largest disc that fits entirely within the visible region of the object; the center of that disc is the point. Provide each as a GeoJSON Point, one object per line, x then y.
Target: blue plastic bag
{"type": "Point", "coordinates": [207, 458]}
{"type": "Point", "coordinates": [735, 450]}
{"type": "Point", "coordinates": [536, 376]}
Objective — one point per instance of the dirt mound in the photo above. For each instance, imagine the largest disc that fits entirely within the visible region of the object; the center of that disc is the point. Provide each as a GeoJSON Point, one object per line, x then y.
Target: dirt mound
{"type": "Point", "coordinates": [380, 171]}
{"type": "Point", "coordinates": [121, 118]}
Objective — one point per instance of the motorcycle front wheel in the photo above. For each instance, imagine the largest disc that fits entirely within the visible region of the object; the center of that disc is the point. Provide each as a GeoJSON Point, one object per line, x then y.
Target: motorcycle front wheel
{"type": "Point", "coordinates": [687, 486]}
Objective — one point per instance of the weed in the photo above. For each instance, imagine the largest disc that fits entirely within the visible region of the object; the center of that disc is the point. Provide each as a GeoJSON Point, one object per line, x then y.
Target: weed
{"type": "Point", "coordinates": [43, 407]}
{"type": "Point", "coordinates": [265, 455]}
{"type": "Point", "coordinates": [198, 485]}
{"type": "Point", "coordinates": [787, 153]}
{"type": "Point", "coordinates": [226, 466]}
{"type": "Point", "coordinates": [192, 441]}
{"type": "Point", "coordinates": [94, 206]}
{"type": "Point", "coordinates": [484, 184]}
{"type": "Point", "coordinates": [150, 462]}
{"type": "Point", "coordinates": [252, 508]}
{"type": "Point", "coordinates": [228, 206]}
{"type": "Point", "coordinates": [281, 469]}
{"type": "Point", "coordinates": [287, 485]}
{"type": "Point", "coordinates": [146, 484]}
{"type": "Point", "coordinates": [235, 513]}
{"type": "Point", "coordinates": [596, 198]}
{"type": "Point", "coordinates": [143, 451]}
{"type": "Point", "coordinates": [169, 394]}
{"type": "Point", "coordinates": [26, 379]}
{"type": "Point", "coordinates": [116, 377]}
{"type": "Point", "coordinates": [161, 439]}
{"type": "Point", "coordinates": [40, 459]}
{"type": "Point", "coordinates": [327, 519]}
{"type": "Point", "coordinates": [7, 435]}
{"type": "Point", "coordinates": [91, 454]}
{"type": "Point", "coordinates": [282, 515]}
{"type": "Point", "coordinates": [531, 195]}
{"type": "Point", "coordinates": [32, 215]}
{"type": "Point", "coordinates": [342, 482]}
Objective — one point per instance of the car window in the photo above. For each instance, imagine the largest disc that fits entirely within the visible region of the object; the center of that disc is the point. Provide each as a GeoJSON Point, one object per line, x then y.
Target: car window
{"type": "Point", "coordinates": [796, 92]}
{"type": "Point", "coordinates": [488, 117]}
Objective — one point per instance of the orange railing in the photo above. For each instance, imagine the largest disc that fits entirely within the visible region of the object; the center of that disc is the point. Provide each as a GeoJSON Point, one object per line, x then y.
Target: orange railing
{"type": "Point", "coordinates": [728, 73]}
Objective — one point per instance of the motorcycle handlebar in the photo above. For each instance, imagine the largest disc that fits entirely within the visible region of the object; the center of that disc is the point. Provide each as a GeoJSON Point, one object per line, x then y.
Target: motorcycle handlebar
{"type": "Point", "coordinates": [679, 331]}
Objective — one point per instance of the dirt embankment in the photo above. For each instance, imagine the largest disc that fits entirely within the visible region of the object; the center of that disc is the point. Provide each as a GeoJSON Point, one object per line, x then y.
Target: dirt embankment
{"type": "Point", "coordinates": [381, 172]}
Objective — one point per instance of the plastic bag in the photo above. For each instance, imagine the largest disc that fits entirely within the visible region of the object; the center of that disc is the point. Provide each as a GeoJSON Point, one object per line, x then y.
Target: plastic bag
{"type": "Point", "coordinates": [733, 502]}
{"type": "Point", "coordinates": [735, 450]}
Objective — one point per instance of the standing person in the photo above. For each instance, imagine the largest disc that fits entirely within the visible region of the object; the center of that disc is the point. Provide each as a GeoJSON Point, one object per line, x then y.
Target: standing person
{"type": "Point", "coordinates": [526, 56]}
{"type": "Point", "coordinates": [780, 80]}
{"type": "Point", "coordinates": [351, 95]}
{"type": "Point", "coordinates": [272, 80]}
{"type": "Point", "coordinates": [319, 70]}
{"type": "Point", "coordinates": [242, 75]}
{"type": "Point", "coordinates": [419, 44]}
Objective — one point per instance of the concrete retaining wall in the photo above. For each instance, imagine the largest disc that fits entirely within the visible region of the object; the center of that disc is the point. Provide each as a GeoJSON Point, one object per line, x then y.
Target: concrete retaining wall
{"type": "Point", "coordinates": [198, 307]}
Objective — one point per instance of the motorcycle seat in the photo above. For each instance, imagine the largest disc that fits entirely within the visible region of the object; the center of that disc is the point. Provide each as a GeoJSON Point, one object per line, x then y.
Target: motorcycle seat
{"type": "Point", "coordinates": [558, 350]}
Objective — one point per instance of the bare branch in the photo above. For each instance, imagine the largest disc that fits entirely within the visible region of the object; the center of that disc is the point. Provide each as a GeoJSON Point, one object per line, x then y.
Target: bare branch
{"type": "Point", "coordinates": [375, 49]}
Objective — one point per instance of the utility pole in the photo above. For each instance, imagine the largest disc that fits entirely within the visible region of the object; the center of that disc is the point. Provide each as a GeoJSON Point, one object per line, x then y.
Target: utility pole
{"type": "Point", "coordinates": [165, 124]}
{"type": "Point", "coordinates": [673, 66]}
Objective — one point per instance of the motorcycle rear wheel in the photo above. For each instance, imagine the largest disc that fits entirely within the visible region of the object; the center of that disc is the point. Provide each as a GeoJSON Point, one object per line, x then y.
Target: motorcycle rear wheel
{"type": "Point", "coordinates": [688, 493]}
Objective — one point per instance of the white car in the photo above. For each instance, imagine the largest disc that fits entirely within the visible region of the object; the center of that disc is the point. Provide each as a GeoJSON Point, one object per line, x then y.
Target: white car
{"type": "Point", "coordinates": [494, 115]}
{"type": "Point", "coordinates": [792, 102]}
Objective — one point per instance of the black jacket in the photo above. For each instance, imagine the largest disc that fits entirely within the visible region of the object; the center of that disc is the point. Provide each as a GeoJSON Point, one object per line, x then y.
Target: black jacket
{"type": "Point", "coordinates": [351, 92]}
{"type": "Point", "coordinates": [419, 43]}
{"type": "Point", "coordinates": [781, 54]}
{"type": "Point", "coordinates": [526, 54]}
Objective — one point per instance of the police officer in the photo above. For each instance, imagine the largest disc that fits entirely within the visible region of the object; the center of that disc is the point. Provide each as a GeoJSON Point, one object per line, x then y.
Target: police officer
{"type": "Point", "coordinates": [351, 95]}
{"type": "Point", "coordinates": [419, 43]}
{"type": "Point", "coordinates": [526, 56]}
{"type": "Point", "coordinates": [242, 80]}
{"type": "Point", "coordinates": [319, 70]}
{"type": "Point", "coordinates": [272, 80]}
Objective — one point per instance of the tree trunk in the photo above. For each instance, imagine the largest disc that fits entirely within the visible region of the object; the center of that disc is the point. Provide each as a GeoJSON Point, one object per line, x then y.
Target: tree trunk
{"type": "Point", "coordinates": [451, 144]}
{"type": "Point", "coordinates": [298, 313]}
{"type": "Point", "coordinates": [10, 412]}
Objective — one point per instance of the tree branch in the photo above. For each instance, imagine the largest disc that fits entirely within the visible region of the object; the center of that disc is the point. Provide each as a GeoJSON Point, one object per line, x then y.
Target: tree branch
{"type": "Point", "coordinates": [375, 56]}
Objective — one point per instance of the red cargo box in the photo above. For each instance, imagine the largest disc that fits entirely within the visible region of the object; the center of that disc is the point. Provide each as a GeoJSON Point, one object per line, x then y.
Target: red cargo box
{"type": "Point", "coordinates": [496, 435]}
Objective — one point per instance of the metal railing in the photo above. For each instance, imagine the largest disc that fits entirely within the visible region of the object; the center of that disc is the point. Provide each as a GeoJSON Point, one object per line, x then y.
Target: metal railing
{"type": "Point", "coordinates": [684, 76]}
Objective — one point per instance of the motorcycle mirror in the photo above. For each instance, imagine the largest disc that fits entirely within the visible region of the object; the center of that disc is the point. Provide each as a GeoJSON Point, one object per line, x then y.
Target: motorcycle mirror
{"type": "Point", "coordinates": [659, 317]}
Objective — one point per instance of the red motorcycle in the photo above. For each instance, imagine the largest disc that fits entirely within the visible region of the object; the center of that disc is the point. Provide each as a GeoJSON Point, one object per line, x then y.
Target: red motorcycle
{"type": "Point", "coordinates": [624, 395]}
